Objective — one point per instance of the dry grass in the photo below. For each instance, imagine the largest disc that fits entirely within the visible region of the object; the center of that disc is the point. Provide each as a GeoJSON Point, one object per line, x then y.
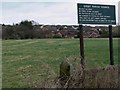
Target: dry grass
{"type": "Point", "coordinates": [84, 78]}
{"type": "Point", "coordinates": [95, 78]}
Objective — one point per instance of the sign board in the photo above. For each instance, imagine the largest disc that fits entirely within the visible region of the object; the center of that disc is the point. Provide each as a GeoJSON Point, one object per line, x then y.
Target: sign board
{"type": "Point", "coordinates": [96, 14]}
{"type": "Point", "coordinates": [119, 12]}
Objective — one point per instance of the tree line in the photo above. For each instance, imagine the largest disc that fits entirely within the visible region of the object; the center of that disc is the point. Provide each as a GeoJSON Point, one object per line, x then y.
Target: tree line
{"type": "Point", "coordinates": [30, 30]}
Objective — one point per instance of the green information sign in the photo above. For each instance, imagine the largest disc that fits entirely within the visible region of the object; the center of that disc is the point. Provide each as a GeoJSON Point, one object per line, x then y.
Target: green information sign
{"type": "Point", "coordinates": [96, 14]}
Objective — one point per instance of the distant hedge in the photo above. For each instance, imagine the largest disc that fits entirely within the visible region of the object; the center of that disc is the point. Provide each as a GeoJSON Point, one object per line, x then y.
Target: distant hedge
{"type": "Point", "coordinates": [29, 30]}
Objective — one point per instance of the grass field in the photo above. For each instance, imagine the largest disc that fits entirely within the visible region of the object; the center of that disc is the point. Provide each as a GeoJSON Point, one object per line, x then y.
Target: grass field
{"type": "Point", "coordinates": [25, 62]}
{"type": "Point", "coordinates": [0, 64]}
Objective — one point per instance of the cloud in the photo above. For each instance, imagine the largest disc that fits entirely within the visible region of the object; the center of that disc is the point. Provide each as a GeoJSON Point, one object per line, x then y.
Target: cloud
{"type": "Point", "coordinates": [39, 0]}
{"type": "Point", "coordinates": [0, 12]}
{"type": "Point", "coordinates": [98, 1]}
{"type": "Point", "coordinates": [40, 12]}
{"type": "Point", "coordinates": [44, 12]}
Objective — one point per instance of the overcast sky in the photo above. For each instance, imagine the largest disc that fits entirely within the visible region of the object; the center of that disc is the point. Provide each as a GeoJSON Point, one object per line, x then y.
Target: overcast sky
{"type": "Point", "coordinates": [47, 12]}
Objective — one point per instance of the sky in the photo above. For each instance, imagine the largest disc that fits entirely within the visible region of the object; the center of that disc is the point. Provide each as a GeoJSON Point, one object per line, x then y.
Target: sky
{"type": "Point", "coordinates": [47, 12]}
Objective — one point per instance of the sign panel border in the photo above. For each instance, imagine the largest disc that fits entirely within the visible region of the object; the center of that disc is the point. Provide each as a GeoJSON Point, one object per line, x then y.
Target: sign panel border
{"type": "Point", "coordinates": [111, 21]}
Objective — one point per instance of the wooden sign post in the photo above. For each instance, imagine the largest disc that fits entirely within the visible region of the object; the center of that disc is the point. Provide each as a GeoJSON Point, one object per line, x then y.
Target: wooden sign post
{"type": "Point", "coordinates": [96, 14]}
{"type": "Point", "coordinates": [81, 44]}
{"type": "Point", "coordinates": [111, 45]}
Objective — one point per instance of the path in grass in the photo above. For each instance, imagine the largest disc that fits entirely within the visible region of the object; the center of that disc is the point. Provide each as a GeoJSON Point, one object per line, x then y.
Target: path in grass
{"type": "Point", "coordinates": [26, 62]}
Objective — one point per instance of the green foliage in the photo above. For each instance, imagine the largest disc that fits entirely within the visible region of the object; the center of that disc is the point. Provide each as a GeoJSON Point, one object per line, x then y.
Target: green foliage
{"type": "Point", "coordinates": [104, 34]}
{"type": "Point", "coordinates": [7, 32]}
{"type": "Point", "coordinates": [116, 31]}
{"type": "Point", "coordinates": [26, 24]}
{"type": "Point", "coordinates": [23, 30]}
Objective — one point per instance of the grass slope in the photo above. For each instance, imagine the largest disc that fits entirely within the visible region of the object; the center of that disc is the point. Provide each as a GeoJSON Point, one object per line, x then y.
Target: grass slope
{"type": "Point", "coordinates": [26, 62]}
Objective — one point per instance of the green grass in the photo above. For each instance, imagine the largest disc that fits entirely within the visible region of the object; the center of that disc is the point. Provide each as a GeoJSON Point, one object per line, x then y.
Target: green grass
{"type": "Point", "coordinates": [0, 64]}
{"type": "Point", "coordinates": [25, 62]}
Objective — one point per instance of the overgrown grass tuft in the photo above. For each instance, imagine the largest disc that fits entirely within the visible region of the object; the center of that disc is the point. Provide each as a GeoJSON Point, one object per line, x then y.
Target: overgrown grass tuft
{"type": "Point", "coordinates": [81, 77]}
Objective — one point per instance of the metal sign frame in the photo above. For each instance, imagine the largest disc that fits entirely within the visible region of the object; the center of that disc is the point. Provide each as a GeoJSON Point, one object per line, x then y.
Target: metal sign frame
{"type": "Point", "coordinates": [96, 14]}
